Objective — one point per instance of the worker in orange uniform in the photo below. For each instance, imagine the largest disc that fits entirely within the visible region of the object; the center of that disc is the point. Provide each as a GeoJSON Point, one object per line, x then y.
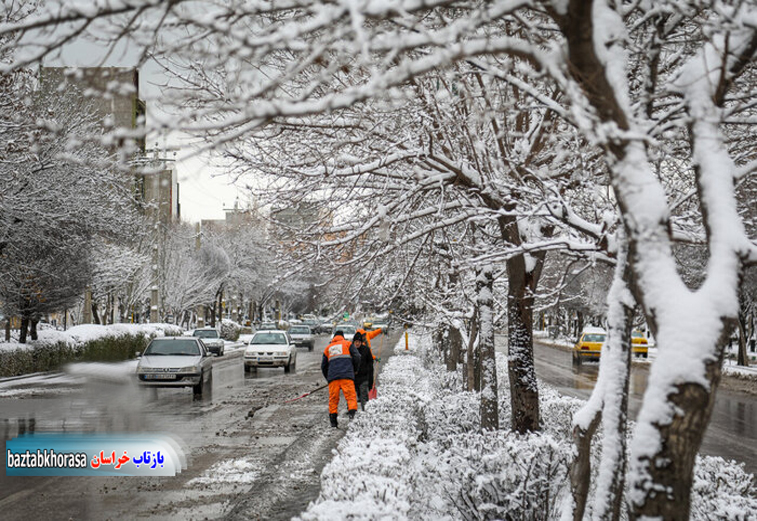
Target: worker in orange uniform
{"type": "Point", "coordinates": [339, 365]}
{"type": "Point", "coordinates": [370, 334]}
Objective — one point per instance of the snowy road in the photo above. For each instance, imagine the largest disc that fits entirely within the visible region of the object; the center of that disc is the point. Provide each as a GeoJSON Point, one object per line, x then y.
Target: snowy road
{"type": "Point", "coordinates": [732, 433]}
{"type": "Point", "coordinates": [250, 455]}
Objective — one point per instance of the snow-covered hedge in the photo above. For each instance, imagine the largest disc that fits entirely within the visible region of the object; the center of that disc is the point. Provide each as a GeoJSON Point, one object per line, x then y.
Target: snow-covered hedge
{"type": "Point", "coordinates": [230, 330]}
{"type": "Point", "coordinates": [417, 453]}
{"type": "Point", "coordinates": [88, 342]}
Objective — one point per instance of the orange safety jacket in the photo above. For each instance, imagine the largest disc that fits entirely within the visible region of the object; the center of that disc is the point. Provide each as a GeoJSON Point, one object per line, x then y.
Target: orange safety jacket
{"type": "Point", "coordinates": [340, 360]}
{"type": "Point", "coordinates": [368, 335]}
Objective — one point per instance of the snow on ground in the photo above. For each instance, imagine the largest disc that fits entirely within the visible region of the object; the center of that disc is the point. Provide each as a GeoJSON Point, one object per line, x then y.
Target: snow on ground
{"type": "Point", "coordinates": [86, 332]}
{"type": "Point", "coordinates": [230, 471]}
{"type": "Point", "coordinates": [416, 453]}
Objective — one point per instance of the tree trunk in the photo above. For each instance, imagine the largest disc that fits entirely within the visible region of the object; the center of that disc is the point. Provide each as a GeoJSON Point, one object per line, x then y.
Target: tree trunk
{"type": "Point", "coordinates": [213, 315]}
{"type": "Point", "coordinates": [8, 329]}
{"type": "Point", "coordinates": [580, 467]}
{"type": "Point", "coordinates": [489, 391]}
{"type": "Point", "coordinates": [95, 315]}
{"type": "Point", "coordinates": [24, 329]}
{"type": "Point", "coordinates": [33, 328]}
{"type": "Point", "coordinates": [220, 305]}
{"type": "Point", "coordinates": [524, 390]}
{"type": "Point", "coordinates": [671, 467]}
{"type": "Point", "coordinates": [455, 348]}
{"type": "Point", "coordinates": [471, 358]}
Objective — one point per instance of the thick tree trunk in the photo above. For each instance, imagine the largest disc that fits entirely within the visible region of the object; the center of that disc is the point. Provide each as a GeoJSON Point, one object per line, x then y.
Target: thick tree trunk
{"type": "Point", "coordinates": [220, 305]}
{"type": "Point", "coordinates": [8, 329]}
{"type": "Point", "coordinates": [524, 390]}
{"type": "Point", "coordinates": [671, 467]}
{"type": "Point", "coordinates": [213, 315]}
{"type": "Point", "coordinates": [489, 391]}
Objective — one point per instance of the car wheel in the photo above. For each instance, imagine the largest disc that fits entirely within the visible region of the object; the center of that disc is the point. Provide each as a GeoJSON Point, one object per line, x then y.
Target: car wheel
{"type": "Point", "coordinates": [288, 366]}
{"type": "Point", "coordinates": [220, 353]}
{"type": "Point", "coordinates": [198, 388]}
{"type": "Point", "coordinates": [246, 368]}
{"type": "Point", "coordinates": [310, 347]}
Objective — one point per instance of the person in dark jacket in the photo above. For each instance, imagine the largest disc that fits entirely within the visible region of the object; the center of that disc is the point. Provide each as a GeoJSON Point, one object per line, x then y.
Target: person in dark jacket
{"type": "Point", "coordinates": [364, 374]}
{"type": "Point", "coordinates": [339, 365]}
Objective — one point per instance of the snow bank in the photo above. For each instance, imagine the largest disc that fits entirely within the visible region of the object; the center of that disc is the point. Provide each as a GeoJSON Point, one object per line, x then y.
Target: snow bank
{"type": "Point", "coordinates": [416, 453]}
{"type": "Point", "coordinates": [83, 333]}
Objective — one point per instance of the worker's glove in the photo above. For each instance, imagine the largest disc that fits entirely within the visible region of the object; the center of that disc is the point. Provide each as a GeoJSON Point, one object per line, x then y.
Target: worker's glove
{"type": "Point", "coordinates": [378, 360]}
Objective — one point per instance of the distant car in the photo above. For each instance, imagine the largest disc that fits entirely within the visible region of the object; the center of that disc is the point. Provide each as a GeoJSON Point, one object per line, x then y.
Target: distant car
{"type": "Point", "coordinates": [589, 345]}
{"type": "Point", "coordinates": [379, 324]}
{"type": "Point", "coordinates": [268, 326]}
{"type": "Point", "coordinates": [271, 348]}
{"type": "Point", "coordinates": [313, 324]}
{"type": "Point", "coordinates": [211, 338]}
{"type": "Point", "coordinates": [302, 336]}
{"type": "Point", "coordinates": [639, 344]}
{"type": "Point", "coordinates": [348, 330]}
{"type": "Point", "coordinates": [175, 362]}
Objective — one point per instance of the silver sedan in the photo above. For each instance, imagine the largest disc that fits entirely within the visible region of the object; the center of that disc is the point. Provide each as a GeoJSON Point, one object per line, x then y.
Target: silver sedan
{"type": "Point", "coordinates": [175, 362]}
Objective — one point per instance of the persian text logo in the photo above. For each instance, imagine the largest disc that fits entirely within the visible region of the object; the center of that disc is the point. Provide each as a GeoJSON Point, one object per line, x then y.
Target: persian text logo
{"type": "Point", "coordinates": [68, 454]}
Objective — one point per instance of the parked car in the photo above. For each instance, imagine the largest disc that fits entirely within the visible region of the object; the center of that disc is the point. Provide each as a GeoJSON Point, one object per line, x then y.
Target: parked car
{"type": "Point", "coordinates": [589, 345]}
{"type": "Point", "coordinates": [271, 348]}
{"type": "Point", "coordinates": [211, 338]}
{"type": "Point", "coordinates": [302, 336]}
{"type": "Point", "coordinates": [639, 344]}
{"type": "Point", "coordinates": [348, 330]}
{"type": "Point", "coordinates": [175, 362]}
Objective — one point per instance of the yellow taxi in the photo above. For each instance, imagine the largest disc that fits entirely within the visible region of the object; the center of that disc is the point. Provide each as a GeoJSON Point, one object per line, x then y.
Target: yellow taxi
{"type": "Point", "coordinates": [589, 345]}
{"type": "Point", "coordinates": [639, 344]}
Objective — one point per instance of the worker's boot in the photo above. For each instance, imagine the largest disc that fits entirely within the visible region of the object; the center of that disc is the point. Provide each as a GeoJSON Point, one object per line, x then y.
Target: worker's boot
{"type": "Point", "coordinates": [351, 413]}
{"type": "Point", "coordinates": [332, 417]}
{"type": "Point", "coordinates": [362, 406]}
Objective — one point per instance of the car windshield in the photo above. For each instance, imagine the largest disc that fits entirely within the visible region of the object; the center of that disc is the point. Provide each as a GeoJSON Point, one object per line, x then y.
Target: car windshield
{"type": "Point", "coordinates": [268, 325]}
{"type": "Point", "coordinates": [172, 347]}
{"type": "Point", "coordinates": [205, 333]}
{"type": "Point", "coordinates": [637, 334]}
{"type": "Point", "coordinates": [300, 330]}
{"type": "Point", "coordinates": [268, 338]}
{"type": "Point", "coordinates": [594, 337]}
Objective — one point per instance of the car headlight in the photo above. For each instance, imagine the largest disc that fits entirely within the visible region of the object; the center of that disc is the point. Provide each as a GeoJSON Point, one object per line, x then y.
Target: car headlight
{"type": "Point", "coordinates": [189, 369]}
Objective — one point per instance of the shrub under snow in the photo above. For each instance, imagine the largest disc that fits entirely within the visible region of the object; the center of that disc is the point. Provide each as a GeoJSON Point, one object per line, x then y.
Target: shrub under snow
{"type": "Point", "coordinates": [417, 453]}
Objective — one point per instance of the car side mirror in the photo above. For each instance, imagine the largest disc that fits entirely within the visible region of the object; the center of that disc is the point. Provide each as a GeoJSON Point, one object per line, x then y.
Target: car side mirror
{"type": "Point", "coordinates": [138, 354]}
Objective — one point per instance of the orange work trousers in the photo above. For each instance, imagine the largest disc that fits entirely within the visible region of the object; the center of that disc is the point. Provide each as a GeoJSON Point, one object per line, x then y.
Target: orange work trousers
{"type": "Point", "coordinates": [348, 389]}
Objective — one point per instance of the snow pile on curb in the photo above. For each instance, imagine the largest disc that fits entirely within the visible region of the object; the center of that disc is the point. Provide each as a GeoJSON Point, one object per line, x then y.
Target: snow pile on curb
{"type": "Point", "coordinates": [83, 333]}
{"type": "Point", "coordinates": [417, 453]}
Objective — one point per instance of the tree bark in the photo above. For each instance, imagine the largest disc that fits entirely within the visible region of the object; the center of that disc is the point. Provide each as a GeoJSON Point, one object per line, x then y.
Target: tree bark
{"type": "Point", "coordinates": [580, 467]}
{"type": "Point", "coordinates": [489, 391]}
{"type": "Point", "coordinates": [455, 348]}
{"type": "Point", "coordinates": [95, 315]}
{"type": "Point", "coordinates": [33, 328]}
{"type": "Point", "coordinates": [24, 329]}
{"type": "Point", "coordinates": [672, 467]}
{"type": "Point", "coordinates": [471, 358]}
{"type": "Point", "coordinates": [524, 390]}
{"type": "Point", "coordinates": [8, 329]}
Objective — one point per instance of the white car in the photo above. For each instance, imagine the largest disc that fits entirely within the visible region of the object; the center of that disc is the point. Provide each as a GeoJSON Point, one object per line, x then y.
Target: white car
{"type": "Point", "coordinates": [348, 331]}
{"type": "Point", "coordinates": [270, 348]}
{"type": "Point", "coordinates": [175, 362]}
{"type": "Point", "coordinates": [211, 338]}
{"type": "Point", "coordinates": [302, 336]}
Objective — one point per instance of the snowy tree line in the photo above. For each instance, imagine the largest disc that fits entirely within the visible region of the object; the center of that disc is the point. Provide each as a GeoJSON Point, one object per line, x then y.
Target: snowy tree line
{"type": "Point", "coordinates": [456, 144]}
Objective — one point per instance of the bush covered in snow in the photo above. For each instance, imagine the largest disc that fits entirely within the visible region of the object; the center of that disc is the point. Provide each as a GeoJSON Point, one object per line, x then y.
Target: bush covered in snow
{"type": "Point", "coordinates": [417, 453]}
{"type": "Point", "coordinates": [230, 330]}
{"type": "Point", "coordinates": [88, 342]}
